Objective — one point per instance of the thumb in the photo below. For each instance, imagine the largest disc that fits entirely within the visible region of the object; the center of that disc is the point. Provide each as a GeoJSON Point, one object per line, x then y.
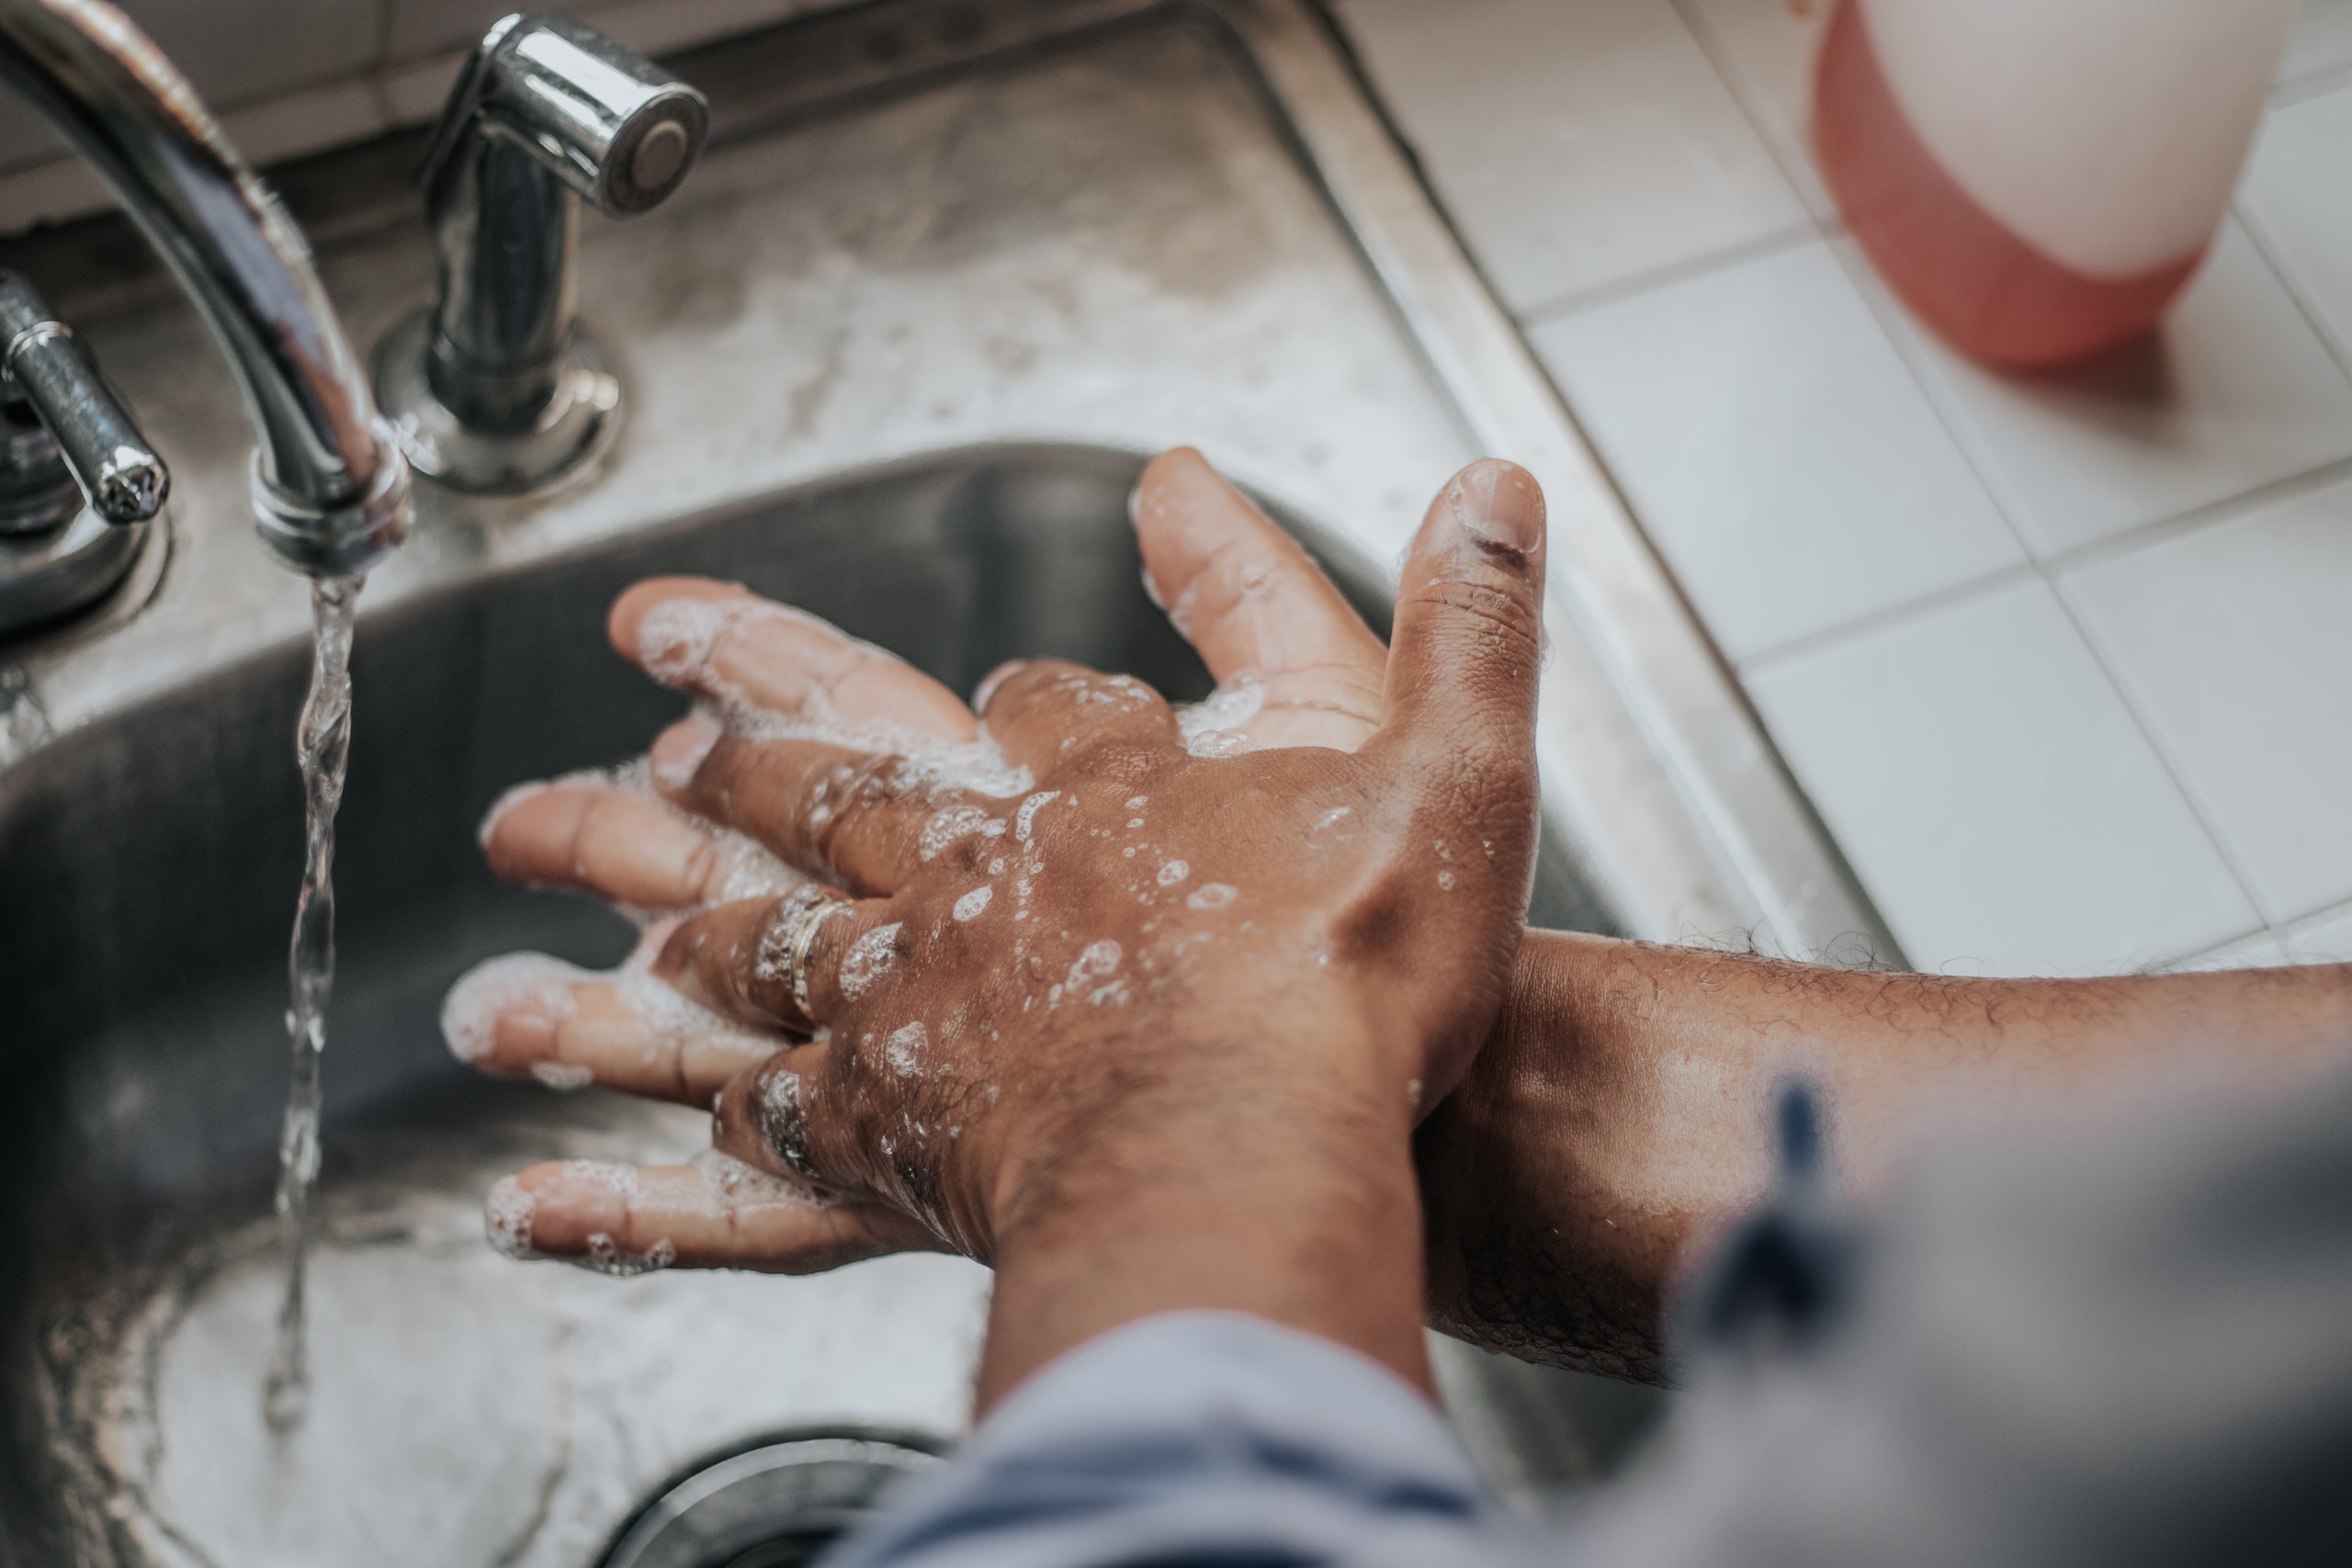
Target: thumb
{"type": "Point", "coordinates": [1469, 630]}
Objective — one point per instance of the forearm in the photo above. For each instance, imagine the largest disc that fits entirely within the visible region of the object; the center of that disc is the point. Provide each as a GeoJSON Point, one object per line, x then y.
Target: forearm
{"type": "Point", "coordinates": [1620, 1107]}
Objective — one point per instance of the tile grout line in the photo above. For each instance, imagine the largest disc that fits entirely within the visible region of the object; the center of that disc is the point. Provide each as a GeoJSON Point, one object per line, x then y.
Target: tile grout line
{"type": "Point", "coordinates": [2266, 246]}
{"type": "Point", "coordinates": [2325, 914]}
{"type": "Point", "coordinates": [2174, 965]}
{"type": "Point", "coordinates": [2153, 733]}
{"type": "Point", "coordinates": [2082, 558]}
{"type": "Point", "coordinates": [1788, 150]}
{"type": "Point", "coordinates": [1778, 242]}
{"type": "Point", "coordinates": [2316, 82]}
{"type": "Point", "coordinates": [2047, 572]}
{"type": "Point", "coordinates": [2196, 519]}
{"type": "Point", "coordinates": [1935, 602]}
{"type": "Point", "coordinates": [2033, 567]}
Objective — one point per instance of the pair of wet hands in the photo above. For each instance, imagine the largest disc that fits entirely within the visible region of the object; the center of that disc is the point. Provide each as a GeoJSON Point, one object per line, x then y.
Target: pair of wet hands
{"type": "Point", "coordinates": [1069, 898]}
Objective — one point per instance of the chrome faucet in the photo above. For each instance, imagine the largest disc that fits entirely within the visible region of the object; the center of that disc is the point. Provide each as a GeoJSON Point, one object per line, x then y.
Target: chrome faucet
{"type": "Point", "coordinates": [498, 389]}
{"type": "Point", "coordinates": [330, 485]}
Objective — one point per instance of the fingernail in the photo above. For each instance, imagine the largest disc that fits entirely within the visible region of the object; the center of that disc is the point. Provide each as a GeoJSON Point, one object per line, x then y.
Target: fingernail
{"type": "Point", "coordinates": [514, 982]}
{"type": "Point", "coordinates": [507, 1217]}
{"type": "Point", "coordinates": [675, 639]}
{"type": "Point", "coordinates": [505, 804]}
{"type": "Point", "coordinates": [678, 751]}
{"type": "Point", "coordinates": [1499, 503]}
{"type": "Point", "coordinates": [992, 680]}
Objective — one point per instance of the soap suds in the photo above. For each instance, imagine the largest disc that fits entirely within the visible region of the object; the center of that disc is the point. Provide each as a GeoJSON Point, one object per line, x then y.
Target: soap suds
{"type": "Point", "coordinates": [905, 1047]}
{"type": "Point", "coordinates": [869, 958]}
{"type": "Point", "coordinates": [1092, 976]}
{"type": "Point", "coordinates": [507, 1216]}
{"type": "Point", "coordinates": [1024, 820]}
{"type": "Point", "coordinates": [750, 869]}
{"type": "Point", "coordinates": [469, 1013]}
{"type": "Point", "coordinates": [1212, 728]}
{"type": "Point", "coordinates": [951, 823]}
{"type": "Point", "coordinates": [603, 1257]}
{"type": "Point", "coordinates": [671, 1015]}
{"type": "Point", "coordinates": [563, 1076]}
{"type": "Point", "coordinates": [1174, 871]}
{"type": "Point", "coordinates": [676, 642]}
{"type": "Point", "coordinates": [736, 1186]}
{"type": "Point", "coordinates": [784, 1122]}
{"type": "Point", "coordinates": [1212, 896]}
{"type": "Point", "coordinates": [618, 1178]}
{"type": "Point", "coordinates": [677, 636]}
{"type": "Point", "coordinates": [675, 774]}
{"type": "Point", "coordinates": [969, 906]}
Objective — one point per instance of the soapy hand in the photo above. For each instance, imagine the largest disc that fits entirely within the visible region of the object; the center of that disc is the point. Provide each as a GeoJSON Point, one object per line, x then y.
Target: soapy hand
{"type": "Point", "coordinates": [1073, 932]}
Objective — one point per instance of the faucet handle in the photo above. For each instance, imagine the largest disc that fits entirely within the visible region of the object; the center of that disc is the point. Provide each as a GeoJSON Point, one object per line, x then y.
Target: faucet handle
{"type": "Point", "coordinates": [42, 364]}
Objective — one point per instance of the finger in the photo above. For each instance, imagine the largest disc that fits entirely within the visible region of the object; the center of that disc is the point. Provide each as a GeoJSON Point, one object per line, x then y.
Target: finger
{"type": "Point", "coordinates": [804, 1114]}
{"type": "Point", "coordinates": [735, 960]}
{"type": "Point", "coordinates": [527, 1015]}
{"type": "Point", "coordinates": [716, 1215]}
{"type": "Point", "coordinates": [862, 820]}
{"type": "Point", "coordinates": [621, 844]}
{"type": "Point", "coordinates": [1048, 714]}
{"type": "Point", "coordinates": [1249, 599]}
{"type": "Point", "coordinates": [1460, 696]}
{"type": "Point", "coordinates": [724, 642]}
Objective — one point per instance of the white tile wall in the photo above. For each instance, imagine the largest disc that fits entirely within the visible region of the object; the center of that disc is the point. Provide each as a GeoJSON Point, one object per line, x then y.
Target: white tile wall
{"type": "Point", "coordinates": [2236, 641]}
{"type": "Point", "coordinates": [2320, 42]}
{"type": "Point", "coordinates": [1577, 144]}
{"type": "Point", "coordinates": [1776, 447]}
{"type": "Point", "coordinates": [2235, 391]}
{"type": "Point", "coordinates": [2299, 202]}
{"type": "Point", "coordinates": [2263, 950]}
{"type": "Point", "coordinates": [2058, 660]}
{"type": "Point", "coordinates": [1997, 797]}
{"type": "Point", "coordinates": [1766, 48]}
{"type": "Point", "coordinates": [2327, 940]}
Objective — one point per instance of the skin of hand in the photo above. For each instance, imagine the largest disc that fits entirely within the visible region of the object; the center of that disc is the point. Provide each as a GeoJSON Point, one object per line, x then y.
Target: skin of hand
{"type": "Point", "coordinates": [1617, 1114]}
{"type": "Point", "coordinates": [1150, 1032]}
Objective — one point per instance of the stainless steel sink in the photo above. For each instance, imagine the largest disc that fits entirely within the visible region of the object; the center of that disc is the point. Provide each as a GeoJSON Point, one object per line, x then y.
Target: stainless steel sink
{"type": "Point", "coordinates": [467, 1409]}
{"type": "Point", "coordinates": [895, 351]}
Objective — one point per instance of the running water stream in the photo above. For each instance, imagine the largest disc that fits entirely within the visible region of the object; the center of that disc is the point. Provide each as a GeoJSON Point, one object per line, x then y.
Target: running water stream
{"type": "Point", "coordinates": [323, 747]}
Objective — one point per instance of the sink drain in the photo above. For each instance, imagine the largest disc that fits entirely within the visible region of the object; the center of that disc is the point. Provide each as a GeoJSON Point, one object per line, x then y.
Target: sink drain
{"type": "Point", "coordinates": [775, 1505]}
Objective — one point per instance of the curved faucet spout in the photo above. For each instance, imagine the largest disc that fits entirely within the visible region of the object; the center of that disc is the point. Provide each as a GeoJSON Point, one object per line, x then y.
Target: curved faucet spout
{"type": "Point", "coordinates": [330, 486]}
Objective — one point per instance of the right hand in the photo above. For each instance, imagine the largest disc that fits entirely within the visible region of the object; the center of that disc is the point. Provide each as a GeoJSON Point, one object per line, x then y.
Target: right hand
{"type": "Point", "coordinates": [1247, 596]}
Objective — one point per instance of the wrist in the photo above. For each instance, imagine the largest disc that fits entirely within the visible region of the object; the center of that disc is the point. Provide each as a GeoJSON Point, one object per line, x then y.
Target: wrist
{"type": "Point", "coordinates": [1534, 1244]}
{"type": "Point", "coordinates": [1235, 1177]}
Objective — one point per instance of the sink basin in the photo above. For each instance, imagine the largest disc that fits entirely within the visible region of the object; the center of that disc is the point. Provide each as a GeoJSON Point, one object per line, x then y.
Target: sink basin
{"type": "Point", "coordinates": [467, 1409]}
{"type": "Point", "coordinates": [895, 351]}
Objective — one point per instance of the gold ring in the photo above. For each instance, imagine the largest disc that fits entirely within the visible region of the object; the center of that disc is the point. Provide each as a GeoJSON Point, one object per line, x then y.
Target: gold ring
{"type": "Point", "coordinates": [801, 938]}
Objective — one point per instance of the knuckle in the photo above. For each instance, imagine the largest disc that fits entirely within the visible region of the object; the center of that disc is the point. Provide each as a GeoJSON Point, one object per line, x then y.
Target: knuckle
{"type": "Point", "coordinates": [1475, 608]}
{"type": "Point", "coordinates": [834, 801]}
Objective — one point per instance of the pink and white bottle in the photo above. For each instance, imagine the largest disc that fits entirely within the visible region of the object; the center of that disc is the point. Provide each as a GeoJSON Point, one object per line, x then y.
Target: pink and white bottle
{"type": "Point", "coordinates": [2039, 178]}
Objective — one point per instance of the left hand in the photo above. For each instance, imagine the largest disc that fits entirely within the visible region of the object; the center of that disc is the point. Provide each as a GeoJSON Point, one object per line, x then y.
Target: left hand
{"type": "Point", "coordinates": [1425, 882]}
